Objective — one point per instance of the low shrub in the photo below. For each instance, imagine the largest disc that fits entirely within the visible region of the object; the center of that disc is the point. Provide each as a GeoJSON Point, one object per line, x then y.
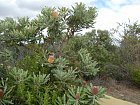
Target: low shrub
{"type": "Point", "coordinates": [136, 75]}
{"type": "Point", "coordinates": [62, 84]}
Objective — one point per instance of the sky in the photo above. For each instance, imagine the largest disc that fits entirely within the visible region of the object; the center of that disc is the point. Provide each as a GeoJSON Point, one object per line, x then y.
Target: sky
{"type": "Point", "coordinates": [109, 11]}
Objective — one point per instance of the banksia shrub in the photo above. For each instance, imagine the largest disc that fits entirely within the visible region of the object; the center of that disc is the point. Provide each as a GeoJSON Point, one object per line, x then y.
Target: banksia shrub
{"type": "Point", "coordinates": [41, 78]}
{"type": "Point", "coordinates": [89, 95]}
{"type": "Point", "coordinates": [94, 93]}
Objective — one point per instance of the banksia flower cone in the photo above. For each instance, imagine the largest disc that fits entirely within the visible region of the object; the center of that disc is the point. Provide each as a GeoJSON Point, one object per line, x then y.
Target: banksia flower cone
{"type": "Point", "coordinates": [95, 90]}
{"type": "Point", "coordinates": [1, 93]}
{"type": "Point", "coordinates": [77, 96]}
{"type": "Point", "coordinates": [51, 58]}
{"type": "Point", "coordinates": [54, 14]}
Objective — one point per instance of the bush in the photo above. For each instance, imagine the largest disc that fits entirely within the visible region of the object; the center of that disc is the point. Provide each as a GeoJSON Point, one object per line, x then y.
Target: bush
{"type": "Point", "coordinates": [136, 75]}
{"type": "Point", "coordinates": [28, 86]}
{"type": "Point", "coordinates": [39, 75]}
{"type": "Point", "coordinates": [88, 95]}
{"type": "Point", "coordinates": [61, 85]}
{"type": "Point", "coordinates": [31, 63]}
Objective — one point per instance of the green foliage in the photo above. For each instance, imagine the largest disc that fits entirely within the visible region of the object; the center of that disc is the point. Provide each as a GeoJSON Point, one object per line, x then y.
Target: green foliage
{"type": "Point", "coordinates": [93, 96]}
{"type": "Point", "coordinates": [28, 88]}
{"type": "Point", "coordinates": [88, 66]}
{"type": "Point", "coordinates": [136, 75]}
{"type": "Point", "coordinates": [6, 98]}
{"type": "Point", "coordinates": [6, 57]}
{"type": "Point", "coordinates": [97, 42]}
{"type": "Point", "coordinates": [76, 96]}
{"type": "Point", "coordinates": [82, 96]}
{"type": "Point", "coordinates": [64, 75]}
{"type": "Point", "coordinates": [62, 100]}
{"type": "Point", "coordinates": [19, 75]}
{"type": "Point", "coordinates": [40, 79]}
{"type": "Point", "coordinates": [65, 78]}
{"type": "Point", "coordinates": [34, 79]}
{"type": "Point", "coordinates": [127, 55]}
{"type": "Point", "coordinates": [2, 71]}
{"type": "Point", "coordinates": [81, 17]}
{"type": "Point", "coordinates": [17, 31]}
{"type": "Point", "coordinates": [33, 62]}
{"type": "Point", "coordinates": [33, 89]}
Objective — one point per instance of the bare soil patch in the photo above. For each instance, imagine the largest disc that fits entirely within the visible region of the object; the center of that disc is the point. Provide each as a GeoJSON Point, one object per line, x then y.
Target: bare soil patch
{"type": "Point", "coordinates": [120, 89]}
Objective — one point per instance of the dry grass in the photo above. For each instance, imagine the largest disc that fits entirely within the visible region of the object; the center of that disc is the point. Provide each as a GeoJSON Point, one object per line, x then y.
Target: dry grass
{"type": "Point", "coordinates": [121, 90]}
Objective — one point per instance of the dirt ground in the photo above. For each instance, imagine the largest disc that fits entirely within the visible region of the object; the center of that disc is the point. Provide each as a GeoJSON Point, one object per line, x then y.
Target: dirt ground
{"type": "Point", "coordinates": [114, 101]}
{"type": "Point", "coordinates": [121, 90]}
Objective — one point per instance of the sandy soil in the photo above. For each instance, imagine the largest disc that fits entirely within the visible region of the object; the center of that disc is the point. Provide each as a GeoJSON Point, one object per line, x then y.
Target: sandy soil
{"type": "Point", "coordinates": [114, 101]}
{"type": "Point", "coordinates": [120, 90]}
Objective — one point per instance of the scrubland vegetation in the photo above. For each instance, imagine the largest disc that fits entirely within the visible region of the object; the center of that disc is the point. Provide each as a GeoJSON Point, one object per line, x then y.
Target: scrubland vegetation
{"type": "Point", "coordinates": [57, 67]}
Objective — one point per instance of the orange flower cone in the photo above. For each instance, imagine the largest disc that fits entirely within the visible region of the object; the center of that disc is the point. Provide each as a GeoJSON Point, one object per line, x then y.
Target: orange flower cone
{"type": "Point", "coordinates": [1, 93]}
{"type": "Point", "coordinates": [77, 96]}
{"type": "Point", "coordinates": [51, 58]}
{"type": "Point", "coordinates": [95, 90]}
{"type": "Point", "coordinates": [54, 14]}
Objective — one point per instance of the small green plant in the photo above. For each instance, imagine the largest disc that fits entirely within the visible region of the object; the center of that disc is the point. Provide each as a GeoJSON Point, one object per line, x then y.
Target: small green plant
{"type": "Point", "coordinates": [88, 66]}
{"type": "Point", "coordinates": [64, 76]}
{"type": "Point", "coordinates": [19, 75]}
{"type": "Point", "coordinates": [94, 93]}
{"type": "Point", "coordinates": [40, 79]}
{"type": "Point", "coordinates": [5, 97]}
{"type": "Point", "coordinates": [31, 63]}
{"type": "Point", "coordinates": [76, 96]}
{"type": "Point", "coordinates": [29, 89]}
{"type": "Point", "coordinates": [89, 95]}
{"type": "Point", "coordinates": [136, 75]}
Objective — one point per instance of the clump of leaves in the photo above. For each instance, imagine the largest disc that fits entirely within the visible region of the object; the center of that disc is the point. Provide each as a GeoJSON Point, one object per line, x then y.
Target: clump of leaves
{"type": "Point", "coordinates": [29, 88]}
{"type": "Point", "coordinates": [5, 92]}
{"type": "Point", "coordinates": [88, 66]}
{"type": "Point", "coordinates": [89, 95]}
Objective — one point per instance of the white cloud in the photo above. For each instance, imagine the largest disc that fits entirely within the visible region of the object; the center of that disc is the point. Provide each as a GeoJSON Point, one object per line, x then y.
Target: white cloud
{"type": "Point", "coordinates": [118, 2]}
{"type": "Point", "coordinates": [131, 11]}
{"type": "Point", "coordinates": [18, 8]}
{"type": "Point", "coordinates": [72, 2]}
{"type": "Point", "coordinates": [115, 10]}
{"type": "Point", "coordinates": [108, 18]}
